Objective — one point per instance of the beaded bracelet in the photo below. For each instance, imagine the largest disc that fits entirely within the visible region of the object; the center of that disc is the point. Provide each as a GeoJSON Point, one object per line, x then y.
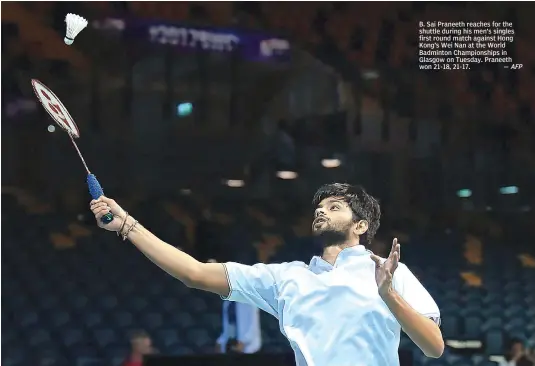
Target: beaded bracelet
{"type": "Point", "coordinates": [125, 236]}
{"type": "Point", "coordinates": [123, 224]}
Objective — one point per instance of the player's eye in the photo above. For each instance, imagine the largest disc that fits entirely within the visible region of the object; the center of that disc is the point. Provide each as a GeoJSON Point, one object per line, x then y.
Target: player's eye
{"type": "Point", "coordinates": [335, 207]}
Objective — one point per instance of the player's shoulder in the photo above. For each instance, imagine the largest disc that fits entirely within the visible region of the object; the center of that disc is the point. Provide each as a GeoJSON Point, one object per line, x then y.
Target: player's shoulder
{"type": "Point", "coordinates": [268, 266]}
{"type": "Point", "coordinates": [295, 264]}
{"type": "Point", "coordinates": [278, 267]}
{"type": "Point", "coordinates": [287, 265]}
{"type": "Point", "coordinates": [279, 270]}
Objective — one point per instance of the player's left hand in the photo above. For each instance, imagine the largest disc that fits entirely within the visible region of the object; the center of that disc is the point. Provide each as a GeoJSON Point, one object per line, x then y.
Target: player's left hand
{"type": "Point", "coordinates": [384, 272]}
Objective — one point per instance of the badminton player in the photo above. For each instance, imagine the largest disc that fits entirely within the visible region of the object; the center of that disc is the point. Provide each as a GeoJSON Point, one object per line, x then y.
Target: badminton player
{"type": "Point", "coordinates": [345, 308]}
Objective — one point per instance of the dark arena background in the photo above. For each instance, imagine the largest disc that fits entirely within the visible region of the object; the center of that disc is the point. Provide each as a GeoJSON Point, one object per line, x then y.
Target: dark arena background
{"type": "Point", "coordinates": [213, 123]}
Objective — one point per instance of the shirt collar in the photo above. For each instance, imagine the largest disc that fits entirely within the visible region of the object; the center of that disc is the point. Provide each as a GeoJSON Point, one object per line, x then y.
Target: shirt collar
{"type": "Point", "coordinates": [319, 263]}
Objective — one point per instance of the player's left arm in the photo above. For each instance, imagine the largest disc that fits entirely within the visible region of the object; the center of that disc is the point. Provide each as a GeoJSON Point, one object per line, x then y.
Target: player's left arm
{"type": "Point", "coordinates": [416, 311]}
{"type": "Point", "coordinates": [411, 304]}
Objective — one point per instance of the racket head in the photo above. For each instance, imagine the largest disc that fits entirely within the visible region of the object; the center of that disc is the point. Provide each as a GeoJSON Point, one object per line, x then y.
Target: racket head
{"type": "Point", "coordinates": [55, 109]}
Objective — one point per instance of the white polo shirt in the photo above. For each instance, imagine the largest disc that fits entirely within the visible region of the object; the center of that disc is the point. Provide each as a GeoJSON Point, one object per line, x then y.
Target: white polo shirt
{"type": "Point", "coordinates": [332, 315]}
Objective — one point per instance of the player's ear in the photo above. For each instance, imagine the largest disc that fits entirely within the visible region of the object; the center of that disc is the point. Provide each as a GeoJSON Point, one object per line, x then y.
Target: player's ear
{"type": "Point", "coordinates": [360, 227]}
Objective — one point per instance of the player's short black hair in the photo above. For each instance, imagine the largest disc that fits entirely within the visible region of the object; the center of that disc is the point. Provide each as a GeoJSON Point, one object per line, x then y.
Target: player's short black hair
{"type": "Point", "coordinates": [364, 206]}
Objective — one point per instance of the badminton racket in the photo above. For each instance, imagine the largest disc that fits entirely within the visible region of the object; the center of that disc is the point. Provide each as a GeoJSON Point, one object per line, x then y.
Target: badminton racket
{"type": "Point", "coordinates": [57, 111]}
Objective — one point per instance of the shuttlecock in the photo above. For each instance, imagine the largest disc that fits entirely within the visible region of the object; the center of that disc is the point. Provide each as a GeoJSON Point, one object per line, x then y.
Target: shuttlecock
{"type": "Point", "coordinates": [75, 24]}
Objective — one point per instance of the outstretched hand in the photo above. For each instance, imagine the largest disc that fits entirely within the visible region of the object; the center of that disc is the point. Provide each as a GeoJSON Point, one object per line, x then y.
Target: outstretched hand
{"type": "Point", "coordinates": [384, 272]}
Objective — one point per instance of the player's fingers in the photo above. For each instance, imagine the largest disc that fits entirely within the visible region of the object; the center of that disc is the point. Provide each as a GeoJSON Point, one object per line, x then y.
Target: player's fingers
{"type": "Point", "coordinates": [394, 243]}
{"type": "Point", "coordinates": [376, 259]}
{"type": "Point", "coordinates": [393, 257]}
{"type": "Point", "coordinates": [96, 209]}
{"type": "Point", "coordinates": [98, 205]}
{"type": "Point", "coordinates": [101, 212]}
{"type": "Point", "coordinates": [395, 261]}
{"type": "Point", "coordinates": [101, 207]}
{"type": "Point", "coordinates": [388, 275]}
{"type": "Point", "coordinates": [109, 201]}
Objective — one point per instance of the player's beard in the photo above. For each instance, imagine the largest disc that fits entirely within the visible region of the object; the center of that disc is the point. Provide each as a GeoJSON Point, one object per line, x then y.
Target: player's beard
{"type": "Point", "coordinates": [331, 234]}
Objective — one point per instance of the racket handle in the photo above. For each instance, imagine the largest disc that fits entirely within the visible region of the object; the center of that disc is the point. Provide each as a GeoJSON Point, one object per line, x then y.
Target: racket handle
{"type": "Point", "coordinates": [95, 190]}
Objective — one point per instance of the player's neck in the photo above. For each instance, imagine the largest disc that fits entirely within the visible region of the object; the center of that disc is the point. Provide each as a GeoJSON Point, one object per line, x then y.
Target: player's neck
{"type": "Point", "coordinates": [331, 252]}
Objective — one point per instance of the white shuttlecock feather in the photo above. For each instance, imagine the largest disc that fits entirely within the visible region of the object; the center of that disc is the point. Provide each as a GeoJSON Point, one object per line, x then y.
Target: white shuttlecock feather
{"type": "Point", "coordinates": [75, 24]}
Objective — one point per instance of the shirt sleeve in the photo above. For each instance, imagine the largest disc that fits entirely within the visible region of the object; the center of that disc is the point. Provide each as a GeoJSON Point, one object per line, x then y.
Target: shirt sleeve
{"type": "Point", "coordinates": [253, 285]}
{"type": "Point", "coordinates": [415, 294]}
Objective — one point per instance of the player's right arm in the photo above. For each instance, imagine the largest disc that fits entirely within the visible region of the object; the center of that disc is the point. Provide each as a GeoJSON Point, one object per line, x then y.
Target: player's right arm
{"type": "Point", "coordinates": [204, 276]}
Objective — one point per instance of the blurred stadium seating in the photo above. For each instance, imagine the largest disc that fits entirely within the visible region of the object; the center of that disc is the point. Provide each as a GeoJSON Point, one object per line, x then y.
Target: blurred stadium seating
{"type": "Point", "coordinates": [369, 35]}
{"type": "Point", "coordinates": [380, 36]}
{"type": "Point", "coordinates": [79, 301]}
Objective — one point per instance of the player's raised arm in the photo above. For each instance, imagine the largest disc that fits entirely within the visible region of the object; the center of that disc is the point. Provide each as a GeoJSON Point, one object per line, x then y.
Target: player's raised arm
{"type": "Point", "coordinates": [204, 276]}
{"type": "Point", "coordinates": [409, 302]}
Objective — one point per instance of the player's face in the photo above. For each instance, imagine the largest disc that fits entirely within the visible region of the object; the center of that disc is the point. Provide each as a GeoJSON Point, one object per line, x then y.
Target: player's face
{"type": "Point", "coordinates": [332, 215]}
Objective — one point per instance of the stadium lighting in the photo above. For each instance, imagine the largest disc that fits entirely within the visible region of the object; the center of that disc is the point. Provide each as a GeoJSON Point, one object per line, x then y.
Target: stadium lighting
{"type": "Point", "coordinates": [464, 193]}
{"type": "Point", "coordinates": [234, 183]}
{"type": "Point", "coordinates": [509, 190]}
{"type": "Point", "coordinates": [370, 74]}
{"type": "Point", "coordinates": [184, 109]}
{"type": "Point", "coordinates": [286, 174]}
{"type": "Point", "coordinates": [331, 163]}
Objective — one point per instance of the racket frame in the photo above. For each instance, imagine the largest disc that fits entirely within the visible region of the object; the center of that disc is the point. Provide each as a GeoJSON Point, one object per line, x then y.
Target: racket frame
{"type": "Point", "coordinates": [55, 104]}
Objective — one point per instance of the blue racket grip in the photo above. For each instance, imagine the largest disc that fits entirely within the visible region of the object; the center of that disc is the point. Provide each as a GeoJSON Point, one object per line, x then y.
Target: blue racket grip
{"type": "Point", "coordinates": [95, 190]}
